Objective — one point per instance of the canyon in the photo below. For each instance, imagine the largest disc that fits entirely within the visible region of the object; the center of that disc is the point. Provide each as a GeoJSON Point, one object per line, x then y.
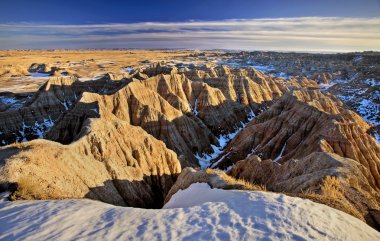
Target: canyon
{"type": "Point", "coordinates": [135, 132]}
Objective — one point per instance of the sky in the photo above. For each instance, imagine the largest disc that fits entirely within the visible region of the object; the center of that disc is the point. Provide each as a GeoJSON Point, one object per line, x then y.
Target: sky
{"type": "Point", "coordinates": [285, 25]}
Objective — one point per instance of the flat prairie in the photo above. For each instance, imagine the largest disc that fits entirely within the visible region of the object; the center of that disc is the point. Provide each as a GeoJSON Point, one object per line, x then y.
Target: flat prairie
{"type": "Point", "coordinates": [16, 77]}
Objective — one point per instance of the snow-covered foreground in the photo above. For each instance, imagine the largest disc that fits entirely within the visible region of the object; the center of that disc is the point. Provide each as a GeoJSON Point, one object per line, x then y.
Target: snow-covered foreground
{"type": "Point", "coordinates": [197, 213]}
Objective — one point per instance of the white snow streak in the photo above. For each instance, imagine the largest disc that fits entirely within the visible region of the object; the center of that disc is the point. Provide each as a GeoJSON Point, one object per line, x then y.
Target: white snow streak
{"type": "Point", "coordinates": [280, 155]}
{"type": "Point", "coordinates": [204, 159]}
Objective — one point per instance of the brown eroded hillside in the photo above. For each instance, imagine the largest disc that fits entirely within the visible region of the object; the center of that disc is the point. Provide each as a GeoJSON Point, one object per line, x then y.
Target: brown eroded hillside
{"type": "Point", "coordinates": [111, 161]}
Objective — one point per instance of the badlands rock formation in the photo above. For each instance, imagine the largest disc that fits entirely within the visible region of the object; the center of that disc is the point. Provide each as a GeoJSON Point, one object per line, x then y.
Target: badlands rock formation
{"type": "Point", "coordinates": [302, 122]}
{"type": "Point", "coordinates": [138, 106]}
{"type": "Point", "coordinates": [353, 77]}
{"type": "Point", "coordinates": [41, 111]}
{"type": "Point", "coordinates": [186, 114]}
{"type": "Point", "coordinates": [305, 137]}
{"type": "Point", "coordinates": [111, 161]}
{"type": "Point", "coordinates": [123, 138]}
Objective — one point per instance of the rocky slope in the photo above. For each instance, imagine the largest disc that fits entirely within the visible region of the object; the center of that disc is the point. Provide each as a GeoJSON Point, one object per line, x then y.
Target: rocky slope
{"type": "Point", "coordinates": [184, 111]}
{"type": "Point", "coordinates": [363, 96]}
{"type": "Point", "coordinates": [140, 107]}
{"type": "Point", "coordinates": [302, 122]}
{"type": "Point", "coordinates": [305, 137]}
{"type": "Point", "coordinates": [110, 161]}
{"type": "Point", "coordinates": [39, 112]}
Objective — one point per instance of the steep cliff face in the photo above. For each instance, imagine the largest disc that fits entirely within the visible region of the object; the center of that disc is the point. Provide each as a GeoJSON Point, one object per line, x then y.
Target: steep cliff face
{"type": "Point", "coordinates": [249, 87]}
{"type": "Point", "coordinates": [110, 161]}
{"type": "Point", "coordinates": [185, 114]}
{"type": "Point", "coordinates": [209, 104]}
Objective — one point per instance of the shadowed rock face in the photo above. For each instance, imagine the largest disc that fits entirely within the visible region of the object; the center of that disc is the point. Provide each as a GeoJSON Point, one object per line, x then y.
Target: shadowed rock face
{"type": "Point", "coordinates": [110, 161]}
{"type": "Point", "coordinates": [248, 87]}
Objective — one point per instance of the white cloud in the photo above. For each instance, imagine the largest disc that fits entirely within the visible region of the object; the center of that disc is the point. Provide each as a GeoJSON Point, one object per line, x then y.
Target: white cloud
{"type": "Point", "coordinates": [299, 34]}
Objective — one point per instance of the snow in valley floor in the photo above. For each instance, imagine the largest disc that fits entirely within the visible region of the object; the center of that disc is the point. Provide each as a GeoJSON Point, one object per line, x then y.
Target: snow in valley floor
{"type": "Point", "coordinates": [197, 213]}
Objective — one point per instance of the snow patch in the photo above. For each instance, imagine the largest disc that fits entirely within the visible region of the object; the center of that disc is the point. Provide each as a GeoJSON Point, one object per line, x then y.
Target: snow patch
{"type": "Point", "coordinates": [195, 111]}
{"type": "Point", "coordinates": [204, 159]}
{"type": "Point", "coordinates": [197, 213]}
{"type": "Point", "coordinates": [22, 133]}
{"type": "Point", "coordinates": [357, 58]}
{"type": "Point", "coordinates": [39, 75]}
{"type": "Point", "coordinates": [128, 69]}
{"type": "Point", "coordinates": [369, 111]}
{"type": "Point", "coordinates": [4, 196]}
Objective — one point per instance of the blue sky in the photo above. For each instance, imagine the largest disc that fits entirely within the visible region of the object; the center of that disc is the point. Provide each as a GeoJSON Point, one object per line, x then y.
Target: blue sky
{"type": "Point", "coordinates": [300, 25]}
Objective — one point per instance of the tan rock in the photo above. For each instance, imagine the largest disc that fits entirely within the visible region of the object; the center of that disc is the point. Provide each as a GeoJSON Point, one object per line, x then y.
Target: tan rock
{"type": "Point", "coordinates": [304, 122]}
{"type": "Point", "coordinates": [110, 161]}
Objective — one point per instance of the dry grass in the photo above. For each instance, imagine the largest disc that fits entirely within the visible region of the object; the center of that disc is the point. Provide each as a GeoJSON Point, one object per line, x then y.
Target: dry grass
{"type": "Point", "coordinates": [340, 204]}
{"type": "Point", "coordinates": [27, 189]}
{"type": "Point", "coordinates": [18, 145]}
{"type": "Point", "coordinates": [232, 183]}
{"type": "Point", "coordinates": [83, 63]}
{"type": "Point", "coordinates": [244, 184]}
{"type": "Point", "coordinates": [332, 187]}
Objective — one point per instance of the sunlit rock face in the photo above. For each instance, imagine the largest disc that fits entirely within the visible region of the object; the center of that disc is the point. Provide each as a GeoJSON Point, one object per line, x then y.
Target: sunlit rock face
{"type": "Point", "coordinates": [302, 122]}
{"type": "Point", "coordinates": [110, 161]}
{"type": "Point", "coordinates": [301, 140]}
{"type": "Point", "coordinates": [186, 112]}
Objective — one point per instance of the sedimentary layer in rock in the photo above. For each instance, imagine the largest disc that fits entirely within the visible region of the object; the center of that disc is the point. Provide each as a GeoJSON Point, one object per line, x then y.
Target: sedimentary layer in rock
{"type": "Point", "coordinates": [303, 122]}
{"type": "Point", "coordinates": [110, 161]}
{"type": "Point", "coordinates": [140, 106]}
{"type": "Point", "coordinates": [186, 114]}
{"type": "Point", "coordinates": [42, 110]}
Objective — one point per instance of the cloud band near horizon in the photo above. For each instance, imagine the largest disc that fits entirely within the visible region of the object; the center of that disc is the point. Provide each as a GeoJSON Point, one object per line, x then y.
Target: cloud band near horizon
{"type": "Point", "coordinates": [284, 34]}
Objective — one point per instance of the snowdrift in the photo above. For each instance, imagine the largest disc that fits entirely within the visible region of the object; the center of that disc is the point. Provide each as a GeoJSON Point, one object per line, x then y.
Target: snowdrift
{"type": "Point", "coordinates": [197, 213]}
